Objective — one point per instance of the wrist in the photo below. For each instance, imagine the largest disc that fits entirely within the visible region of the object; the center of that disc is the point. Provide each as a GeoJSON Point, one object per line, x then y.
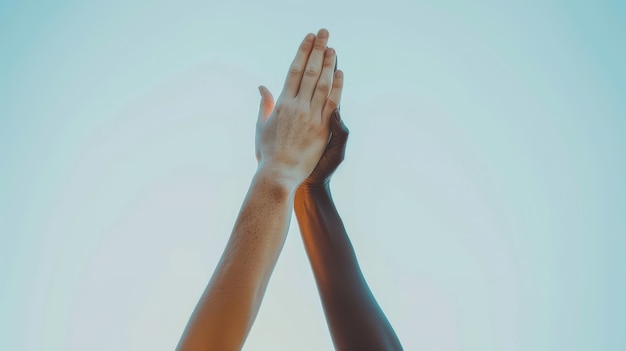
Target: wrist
{"type": "Point", "coordinates": [315, 188]}
{"type": "Point", "coordinates": [282, 180]}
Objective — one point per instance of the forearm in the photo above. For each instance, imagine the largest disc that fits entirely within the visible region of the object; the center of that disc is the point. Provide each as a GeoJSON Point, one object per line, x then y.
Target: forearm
{"type": "Point", "coordinates": [355, 319]}
{"type": "Point", "coordinates": [230, 302]}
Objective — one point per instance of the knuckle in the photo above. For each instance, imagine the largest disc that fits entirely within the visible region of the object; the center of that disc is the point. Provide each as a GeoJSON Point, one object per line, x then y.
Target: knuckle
{"type": "Point", "coordinates": [306, 46]}
{"type": "Point", "coordinates": [295, 69]}
{"type": "Point", "coordinates": [311, 71]}
{"type": "Point", "coordinates": [319, 45]}
{"type": "Point", "coordinates": [323, 86]}
{"type": "Point", "coordinates": [331, 104]}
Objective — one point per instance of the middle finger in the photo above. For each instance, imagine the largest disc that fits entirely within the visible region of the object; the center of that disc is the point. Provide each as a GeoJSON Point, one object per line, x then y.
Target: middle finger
{"type": "Point", "coordinates": [313, 66]}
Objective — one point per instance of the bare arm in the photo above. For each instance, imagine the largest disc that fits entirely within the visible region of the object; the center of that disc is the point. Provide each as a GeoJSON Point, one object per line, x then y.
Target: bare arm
{"type": "Point", "coordinates": [229, 304]}
{"type": "Point", "coordinates": [355, 319]}
{"type": "Point", "coordinates": [290, 141]}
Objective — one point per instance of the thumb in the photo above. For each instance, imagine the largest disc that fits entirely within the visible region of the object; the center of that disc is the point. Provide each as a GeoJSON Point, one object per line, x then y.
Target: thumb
{"type": "Point", "coordinates": [338, 128]}
{"type": "Point", "coordinates": [339, 137]}
{"type": "Point", "coordinates": [267, 103]}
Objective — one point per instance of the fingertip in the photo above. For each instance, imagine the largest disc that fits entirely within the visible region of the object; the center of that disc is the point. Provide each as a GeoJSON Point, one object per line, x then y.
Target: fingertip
{"type": "Point", "coordinates": [323, 33]}
{"type": "Point", "coordinates": [265, 92]}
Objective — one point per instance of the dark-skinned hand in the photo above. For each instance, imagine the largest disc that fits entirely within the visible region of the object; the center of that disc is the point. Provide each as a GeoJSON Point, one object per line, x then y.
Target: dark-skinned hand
{"type": "Point", "coordinates": [333, 153]}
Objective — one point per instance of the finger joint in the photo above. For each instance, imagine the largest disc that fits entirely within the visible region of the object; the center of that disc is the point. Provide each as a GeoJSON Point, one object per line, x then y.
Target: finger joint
{"type": "Point", "coordinates": [311, 71]}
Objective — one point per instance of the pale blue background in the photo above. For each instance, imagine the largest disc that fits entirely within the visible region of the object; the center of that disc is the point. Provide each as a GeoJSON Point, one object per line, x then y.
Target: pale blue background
{"type": "Point", "coordinates": [484, 185]}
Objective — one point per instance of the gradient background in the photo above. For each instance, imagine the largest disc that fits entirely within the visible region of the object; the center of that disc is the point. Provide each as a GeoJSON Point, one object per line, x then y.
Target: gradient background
{"type": "Point", "coordinates": [483, 188]}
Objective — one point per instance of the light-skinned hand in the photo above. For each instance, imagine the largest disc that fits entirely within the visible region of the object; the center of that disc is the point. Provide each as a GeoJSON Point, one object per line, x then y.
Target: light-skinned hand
{"type": "Point", "coordinates": [292, 133]}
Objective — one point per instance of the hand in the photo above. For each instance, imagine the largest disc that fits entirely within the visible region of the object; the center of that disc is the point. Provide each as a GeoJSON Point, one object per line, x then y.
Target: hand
{"type": "Point", "coordinates": [333, 154]}
{"type": "Point", "coordinates": [292, 134]}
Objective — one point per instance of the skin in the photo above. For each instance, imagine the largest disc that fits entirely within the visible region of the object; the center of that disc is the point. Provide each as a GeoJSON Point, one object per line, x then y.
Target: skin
{"type": "Point", "coordinates": [355, 319]}
{"type": "Point", "coordinates": [291, 136]}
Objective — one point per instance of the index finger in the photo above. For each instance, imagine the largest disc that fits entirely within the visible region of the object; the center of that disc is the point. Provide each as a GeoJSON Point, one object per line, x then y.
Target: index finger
{"type": "Point", "coordinates": [294, 76]}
